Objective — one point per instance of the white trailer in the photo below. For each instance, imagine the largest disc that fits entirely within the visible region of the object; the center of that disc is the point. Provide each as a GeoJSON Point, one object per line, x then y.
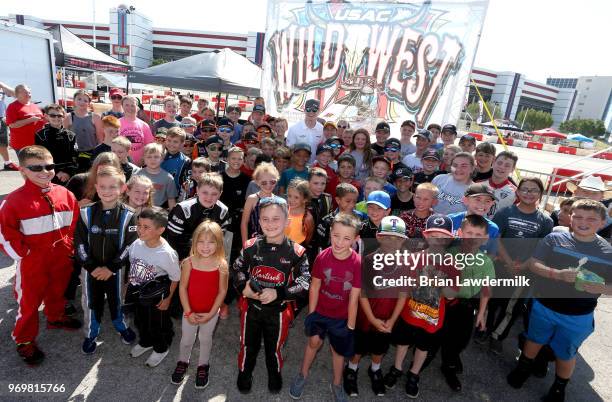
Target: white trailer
{"type": "Point", "coordinates": [27, 57]}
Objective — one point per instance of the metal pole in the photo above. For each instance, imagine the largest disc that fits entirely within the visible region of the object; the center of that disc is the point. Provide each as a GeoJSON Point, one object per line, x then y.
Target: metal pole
{"type": "Point", "coordinates": [95, 78]}
{"type": "Point", "coordinates": [218, 103]}
{"type": "Point", "coordinates": [525, 117]}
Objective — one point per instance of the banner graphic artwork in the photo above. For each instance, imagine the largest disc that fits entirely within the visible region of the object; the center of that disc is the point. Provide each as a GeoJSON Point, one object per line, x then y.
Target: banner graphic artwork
{"type": "Point", "coordinates": [367, 61]}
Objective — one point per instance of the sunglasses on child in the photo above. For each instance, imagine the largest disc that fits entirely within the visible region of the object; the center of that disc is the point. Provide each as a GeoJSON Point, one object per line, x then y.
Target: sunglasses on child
{"type": "Point", "coordinates": [335, 146]}
{"type": "Point", "coordinates": [215, 147]}
{"type": "Point", "coordinates": [225, 130]}
{"type": "Point", "coordinates": [54, 115]}
{"type": "Point", "coordinates": [39, 168]}
{"type": "Point", "coordinates": [342, 126]}
{"type": "Point", "coordinates": [312, 109]}
{"type": "Point", "coordinates": [269, 182]}
{"type": "Point", "coordinates": [116, 97]}
{"type": "Point", "coordinates": [391, 149]}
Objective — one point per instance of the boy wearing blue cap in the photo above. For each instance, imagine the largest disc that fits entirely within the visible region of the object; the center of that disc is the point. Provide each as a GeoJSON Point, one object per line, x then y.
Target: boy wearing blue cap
{"type": "Point", "coordinates": [378, 206]}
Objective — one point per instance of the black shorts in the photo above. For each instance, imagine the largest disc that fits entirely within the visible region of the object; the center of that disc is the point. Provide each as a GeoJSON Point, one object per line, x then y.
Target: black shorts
{"type": "Point", "coordinates": [3, 133]}
{"type": "Point", "coordinates": [371, 342]}
{"type": "Point", "coordinates": [340, 337]}
{"type": "Point", "coordinates": [406, 334]}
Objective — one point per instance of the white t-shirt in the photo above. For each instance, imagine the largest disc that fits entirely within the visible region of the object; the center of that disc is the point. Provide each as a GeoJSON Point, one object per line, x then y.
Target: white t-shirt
{"type": "Point", "coordinates": [505, 193]}
{"type": "Point", "coordinates": [301, 133]}
{"type": "Point", "coordinates": [450, 195]}
{"type": "Point", "coordinates": [148, 263]}
{"type": "Point", "coordinates": [407, 149]}
{"type": "Point", "coordinates": [413, 162]}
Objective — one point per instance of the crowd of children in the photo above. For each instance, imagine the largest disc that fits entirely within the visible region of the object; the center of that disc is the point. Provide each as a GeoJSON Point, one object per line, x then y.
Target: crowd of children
{"type": "Point", "coordinates": [181, 226]}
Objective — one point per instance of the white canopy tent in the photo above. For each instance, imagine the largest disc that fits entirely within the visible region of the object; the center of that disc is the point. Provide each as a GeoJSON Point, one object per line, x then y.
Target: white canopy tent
{"type": "Point", "coordinates": [222, 71]}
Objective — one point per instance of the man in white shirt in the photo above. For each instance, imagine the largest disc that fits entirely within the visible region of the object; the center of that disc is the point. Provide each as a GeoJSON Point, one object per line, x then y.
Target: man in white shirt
{"type": "Point", "coordinates": [423, 140]}
{"type": "Point", "coordinates": [309, 131]}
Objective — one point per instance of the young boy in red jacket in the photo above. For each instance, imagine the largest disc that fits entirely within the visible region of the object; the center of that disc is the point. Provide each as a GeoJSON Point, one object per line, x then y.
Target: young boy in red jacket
{"type": "Point", "coordinates": [37, 224]}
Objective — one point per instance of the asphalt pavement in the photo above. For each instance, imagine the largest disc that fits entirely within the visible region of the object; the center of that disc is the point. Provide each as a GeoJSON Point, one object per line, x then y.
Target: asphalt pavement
{"type": "Point", "coordinates": [111, 374]}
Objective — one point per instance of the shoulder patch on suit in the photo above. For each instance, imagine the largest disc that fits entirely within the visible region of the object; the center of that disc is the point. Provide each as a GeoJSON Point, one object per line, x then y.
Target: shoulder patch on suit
{"type": "Point", "coordinates": [299, 250]}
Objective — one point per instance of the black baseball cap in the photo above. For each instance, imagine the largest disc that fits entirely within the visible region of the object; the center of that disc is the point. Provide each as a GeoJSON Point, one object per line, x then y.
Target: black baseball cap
{"type": "Point", "coordinates": [425, 134]}
{"type": "Point", "coordinates": [225, 122]}
{"type": "Point", "coordinates": [213, 139]}
{"type": "Point", "coordinates": [480, 189]}
{"type": "Point", "coordinates": [408, 123]}
{"type": "Point", "coordinates": [382, 126]}
{"type": "Point", "coordinates": [380, 158]}
{"type": "Point", "coordinates": [431, 154]}
{"type": "Point", "coordinates": [324, 148]}
{"type": "Point", "coordinates": [468, 138]}
{"type": "Point", "coordinates": [312, 103]}
{"type": "Point", "coordinates": [302, 146]}
{"type": "Point", "coordinates": [334, 139]}
{"type": "Point", "coordinates": [439, 223]}
{"type": "Point", "coordinates": [393, 142]}
{"type": "Point", "coordinates": [450, 127]}
{"type": "Point", "coordinates": [403, 172]}
{"type": "Point", "coordinates": [207, 123]}
{"type": "Point", "coordinates": [259, 109]}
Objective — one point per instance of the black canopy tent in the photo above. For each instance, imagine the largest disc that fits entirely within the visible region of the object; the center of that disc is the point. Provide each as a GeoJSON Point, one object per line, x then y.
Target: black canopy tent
{"type": "Point", "coordinates": [73, 52]}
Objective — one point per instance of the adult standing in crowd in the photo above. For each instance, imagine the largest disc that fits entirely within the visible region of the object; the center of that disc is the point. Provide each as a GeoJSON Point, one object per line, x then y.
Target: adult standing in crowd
{"type": "Point", "coordinates": [24, 118]}
{"type": "Point", "coordinates": [5, 91]}
{"type": "Point", "coordinates": [308, 131]}
{"type": "Point", "coordinates": [116, 95]}
{"type": "Point", "coordinates": [134, 129]}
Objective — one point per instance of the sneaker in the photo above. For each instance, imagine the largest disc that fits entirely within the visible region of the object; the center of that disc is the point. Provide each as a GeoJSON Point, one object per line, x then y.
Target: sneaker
{"type": "Point", "coordinates": [30, 353]}
{"type": "Point", "coordinates": [521, 373]}
{"type": "Point", "coordinates": [350, 381]}
{"type": "Point", "coordinates": [391, 377]}
{"type": "Point", "coordinates": [297, 386]}
{"type": "Point", "coordinates": [128, 336]}
{"type": "Point", "coordinates": [496, 346]}
{"type": "Point", "coordinates": [10, 166]}
{"type": "Point", "coordinates": [338, 394]}
{"type": "Point", "coordinates": [555, 394]}
{"type": "Point", "coordinates": [244, 382]}
{"type": "Point", "coordinates": [69, 309]}
{"type": "Point", "coordinates": [67, 323]}
{"type": "Point", "coordinates": [539, 369]}
{"type": "Point", "coordinates": [138, 350]}
{"type": "Point", "coordinates": [224, 312]}
{"type": "Point", "coordinates": [412, 385]}
{"type": "Point", "coordinates": [201, 381]}
{"type": "Point", "coordinates": [378, 383]}
{"type": "Point", "coordinates": [481, 337]}
{"type": "Point", "coordinates": [156, 358]}
{"type": "Point", "coordinates": [450, 375]}
{"type": "Point", "coordinates": [179, 373]}
{"type": "Point", "coordinates": [89, 346]}
{"type": "Point", "coordinates": [275, 382]}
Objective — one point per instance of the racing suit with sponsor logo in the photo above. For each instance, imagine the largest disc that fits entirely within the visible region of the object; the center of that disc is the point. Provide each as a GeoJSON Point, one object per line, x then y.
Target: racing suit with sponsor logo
{"type": "Point", "coordinates": [101, 238]}
{"type": "Point", "coordinates": [284, 268]}
{"type": "Point", "coordinates": [185, 217]}
{"type": "Point", "coordinates": [36, 230]}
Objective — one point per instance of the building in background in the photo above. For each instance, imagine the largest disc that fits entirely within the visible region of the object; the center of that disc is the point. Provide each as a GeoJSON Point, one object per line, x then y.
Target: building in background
{"type": "Point", "coordinates": [593, 99]}
{"type": "Point", "coordinates": [131, 37]}
{"type": "Point", "coordinates": [512, 92]}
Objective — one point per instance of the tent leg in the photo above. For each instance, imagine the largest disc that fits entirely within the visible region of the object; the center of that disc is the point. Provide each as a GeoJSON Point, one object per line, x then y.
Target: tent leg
{"type": "Point", "coordinates": [224, 110]}
{"type": "Point", "coordinates": [218, 103]}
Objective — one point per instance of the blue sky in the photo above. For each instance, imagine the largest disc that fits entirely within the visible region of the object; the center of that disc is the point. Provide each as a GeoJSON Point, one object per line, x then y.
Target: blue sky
{"type": "Point", "coordinates": [539, 38]}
